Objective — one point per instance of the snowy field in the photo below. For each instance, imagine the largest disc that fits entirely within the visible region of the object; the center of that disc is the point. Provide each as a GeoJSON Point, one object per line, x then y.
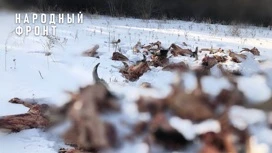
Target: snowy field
{"type": "Point", "coordinates": [28, 74]}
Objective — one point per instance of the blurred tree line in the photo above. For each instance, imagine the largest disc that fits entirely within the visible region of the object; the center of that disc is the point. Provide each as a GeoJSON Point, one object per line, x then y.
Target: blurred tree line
{"type": "Point", "coordinates": [226, 11]}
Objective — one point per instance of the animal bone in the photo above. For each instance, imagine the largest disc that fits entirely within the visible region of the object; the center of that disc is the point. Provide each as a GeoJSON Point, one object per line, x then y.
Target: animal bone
{"type": "Point", "coordinates": [96, 78]}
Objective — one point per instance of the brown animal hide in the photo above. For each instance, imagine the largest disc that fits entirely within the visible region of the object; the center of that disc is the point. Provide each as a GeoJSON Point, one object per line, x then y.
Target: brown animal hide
{"type": "Point", "coordinates": [264, 106]}
{"type": "Point", "coordinates": [208, 62]}
{"type": "Point", "coordinates": [195, 106]}
{"type": "Point", "coordinates": [88, 131]}
{"type": "Point", "coordinates": [191, 107]}
{"type": "Point", "coordinates": [176, 50]}
{"type": "Point", "coordinates": [63, 150]}
{"type": "Point", "coordinates": [254, 51]}
{"type": "Point", "coordinates": [221, 59]}
{"type": "Point", "coordinates": [136, 48]}
{"type": "Point", "coordinates": [229, 97]}
{"type": "Point", "coordinates": [227, 72]}
{"type": "Point", "coordinates": [152, 46]}
{"type": "Point", "coordinates": [164, 134]}
{"type": "Point", "coordinates": [180, 67]}
{"type": "Point", "coordinates": [159, 58]}
{"type": "Point", "coordinates": [219, 50]}
{"type": "Point", "coordinates": [151, 105]}
{"type": "Point", "coordinates": [238, 58]}
{"type": "Point", "coordinates": [158, 44]}
{"type": "Point", "coordinates": [91, 52]}
{"type": "Point", "coordinates": [212, 51]}
{"type": "Point", "coordinates": [212, 143]}
{"type": "Point", "coordinates": [134, 72]}
{"type": "Point", "coordinates": [36, 117]}
{"type": "Point", "coordinates": [116, 56]}
{"type": "Point", "coordinates": [223, 141]}
{"type": "Point", "coordinates": [140, 128]}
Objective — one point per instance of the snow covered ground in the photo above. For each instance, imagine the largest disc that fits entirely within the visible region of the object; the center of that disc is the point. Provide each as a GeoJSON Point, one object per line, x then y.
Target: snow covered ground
{"type": "Point", "coordinates": [27, 73]}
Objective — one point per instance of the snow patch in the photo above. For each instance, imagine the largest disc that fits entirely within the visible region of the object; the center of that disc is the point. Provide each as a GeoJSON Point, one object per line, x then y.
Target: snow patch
{"type": "Point", "coordinates": [242, 117]}
{"type": "Point", "coordinates": [255, 88]}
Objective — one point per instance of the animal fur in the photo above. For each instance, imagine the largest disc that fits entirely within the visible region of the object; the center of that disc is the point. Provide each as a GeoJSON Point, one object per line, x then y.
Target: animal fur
{"type": "Point", "coordinates": [176, 50]}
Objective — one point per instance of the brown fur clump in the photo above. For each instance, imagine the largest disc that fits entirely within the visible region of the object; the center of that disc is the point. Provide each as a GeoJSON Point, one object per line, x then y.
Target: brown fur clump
{"type": "Point", "coordinates": [36, 117]}
{"type": "Point", "coordinates": [152, 46]}
{"type": "Point", "coordinates": [227, 72]}
{"type": "Point", "coordinates": [195, 106]}
{"type": "Point", "coordinates": [91, 52]}
{"type": "Point", "coordinates": [208, 62]}
{"type": "Point", "coordinates": [134, 72]}
{"type": "Point", "coordinates": [63, 150]}
{"type": "Point", "coordinates": [116, 56]}
{"type": "Point", "coordinates": [159, 58]}
{"type": "Point", "coordinates": [221, 59]}
{"type": "Point", "coordinates": [212, 51]}
{"type": "Point", "coordinates": [212, 143]}
{"type": "Point", "coordinates": [237, 58]}
{"type": "Point", "coordinates": [180, 67]}
{"type": "Point", "coordinates": [191, 107]}
{"type": "Point", "coordinates": [223, 141]}
{"type": "Point", "coordinates": [254, 51]}
{"type": "Point", "coordinates": [225, 95]}
{"type": "Point", "coordinates": [158, 128]}
{"type": "Point", "coordinates": [176, 50]}
{"type": "Point", "coordinates": [88, 131]}
{"type": "Point", "coordinates": [136, 48]}
{"type": "Point", "coordinates": [164, 134]}
{"type": "Point", "coordinates": [151, 105]}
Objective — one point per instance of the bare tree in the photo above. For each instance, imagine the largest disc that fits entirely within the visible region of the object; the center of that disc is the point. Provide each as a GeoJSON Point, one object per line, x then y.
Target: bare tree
{"type": "Point", "coordinates": [144, 8]}
{"type": "Point", "coordinates": [116, 7]}
{"type": "Point", "coordinates": [112, 7]}
{"type": "Point", "coordinates": [42, 5]}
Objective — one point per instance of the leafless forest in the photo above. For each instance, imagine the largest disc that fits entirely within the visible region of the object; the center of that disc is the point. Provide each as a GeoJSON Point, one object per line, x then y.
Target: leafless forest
{"type": "Point", "coordinates": [223, 11]}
